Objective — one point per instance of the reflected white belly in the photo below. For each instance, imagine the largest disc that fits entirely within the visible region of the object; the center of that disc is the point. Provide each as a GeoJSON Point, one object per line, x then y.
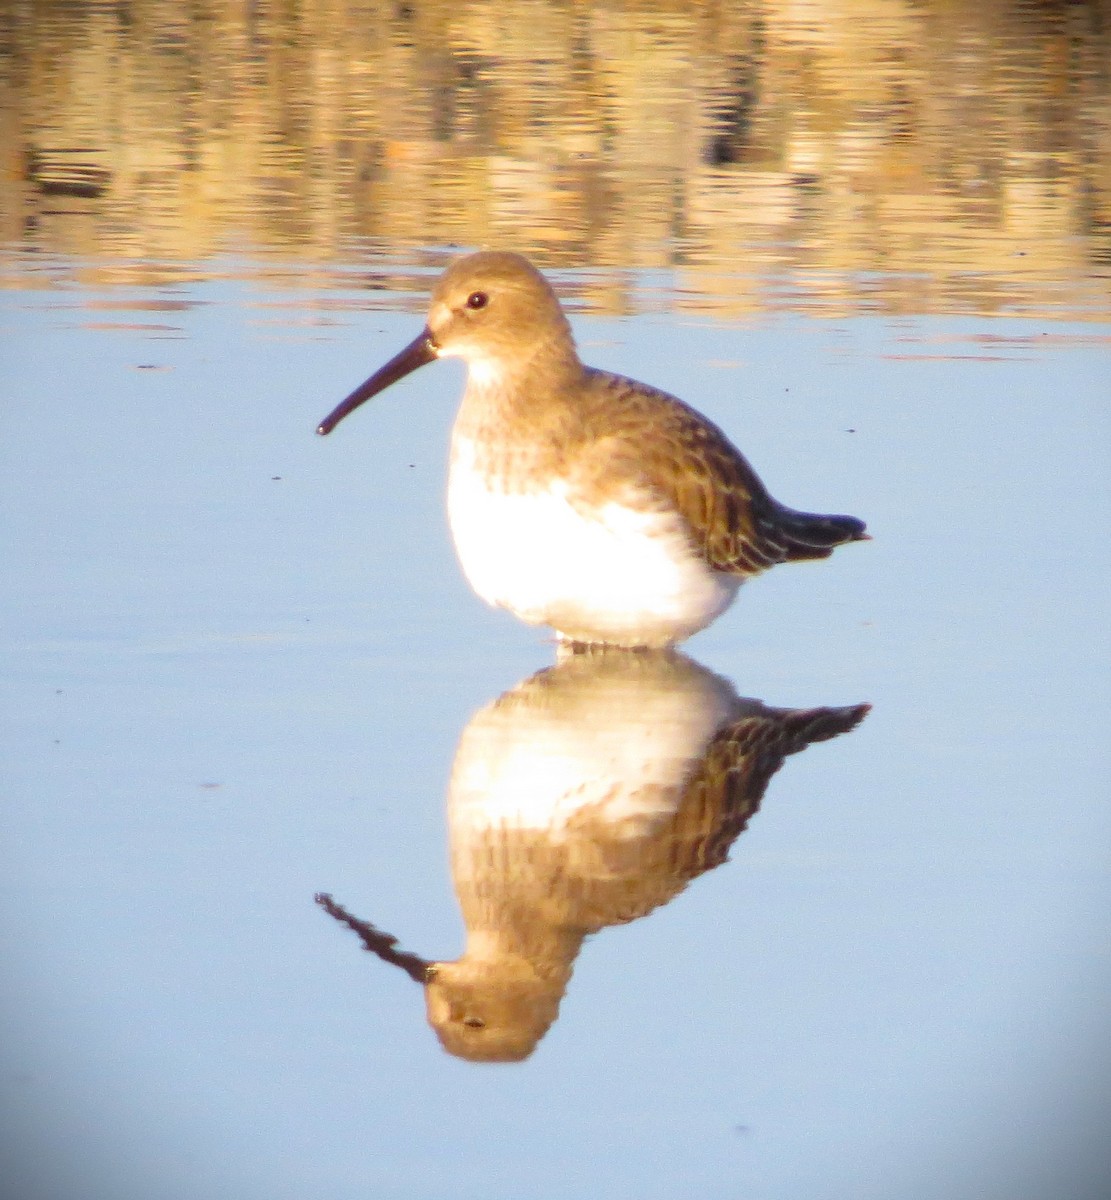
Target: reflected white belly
{"type": "Point", "coordinates": [612, 574]}
{"type": "Point", "coordinates": [574, 741]}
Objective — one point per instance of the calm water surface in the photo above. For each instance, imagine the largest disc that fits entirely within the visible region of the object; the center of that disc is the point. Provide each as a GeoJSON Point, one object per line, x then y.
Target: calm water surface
{"type": "Point", "coordinates": [241, 667]}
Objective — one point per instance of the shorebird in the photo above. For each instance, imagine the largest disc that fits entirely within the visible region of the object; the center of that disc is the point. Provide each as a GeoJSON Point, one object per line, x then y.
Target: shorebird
{"type": "Point", "coordinates": [582, 500]}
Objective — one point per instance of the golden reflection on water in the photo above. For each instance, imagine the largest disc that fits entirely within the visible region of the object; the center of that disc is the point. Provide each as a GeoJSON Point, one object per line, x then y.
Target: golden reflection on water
{"type": "Point", "coordinates": [909, 155]}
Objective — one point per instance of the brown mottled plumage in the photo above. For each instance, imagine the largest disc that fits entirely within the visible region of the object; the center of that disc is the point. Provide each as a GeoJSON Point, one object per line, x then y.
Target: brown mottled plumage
{"type": "Point", "coordinates": [690, 465]}
{"type": "Point", "coordinates": [592, 503]}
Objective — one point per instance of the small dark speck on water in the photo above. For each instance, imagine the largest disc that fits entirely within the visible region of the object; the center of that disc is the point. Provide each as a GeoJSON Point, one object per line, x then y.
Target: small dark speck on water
{"type": "Point", "coordinates": [850, 431]}
{"type": "Point", "coordinates": [275, 478]}
{"type": "Point", "coordinates": [209, 787]}
{"type": "Point", "coordinates": [742, 1129]}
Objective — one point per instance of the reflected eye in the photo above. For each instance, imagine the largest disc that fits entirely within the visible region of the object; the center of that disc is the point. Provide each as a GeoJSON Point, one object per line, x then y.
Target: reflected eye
{"type": "Point", "coordinates": [477, 300]}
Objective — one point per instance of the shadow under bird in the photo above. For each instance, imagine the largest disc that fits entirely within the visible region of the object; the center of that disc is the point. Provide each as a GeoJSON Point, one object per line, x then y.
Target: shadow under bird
{"type": "Point", "coordinates": [582, 500]}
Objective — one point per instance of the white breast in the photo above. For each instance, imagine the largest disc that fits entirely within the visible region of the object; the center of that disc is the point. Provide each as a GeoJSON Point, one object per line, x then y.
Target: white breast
{"type": "Point", "coordinates": [610, 574]}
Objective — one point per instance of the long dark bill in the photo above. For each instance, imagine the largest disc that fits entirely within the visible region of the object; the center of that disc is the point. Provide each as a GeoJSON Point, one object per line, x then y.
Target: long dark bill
{"type": "Point", "coordinates": [376, 941]}
{"type": "Point", "coordinates": [418, 352]}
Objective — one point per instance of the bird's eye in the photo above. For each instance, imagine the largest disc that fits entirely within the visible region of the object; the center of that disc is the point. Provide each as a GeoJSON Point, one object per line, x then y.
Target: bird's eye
{"type": "Point", "coordinates": [477, 300]}
{"type": "Point", "coordinates": [474, 1022]}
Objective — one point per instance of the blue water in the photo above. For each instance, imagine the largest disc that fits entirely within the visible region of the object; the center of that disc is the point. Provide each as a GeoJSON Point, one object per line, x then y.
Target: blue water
{"type": "Point", "coordinates": [237, 659]}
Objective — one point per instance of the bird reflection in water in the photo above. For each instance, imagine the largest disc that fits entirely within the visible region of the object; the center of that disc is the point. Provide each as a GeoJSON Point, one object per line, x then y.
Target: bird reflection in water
{"type": "Point", "coordinates": [587, 796]}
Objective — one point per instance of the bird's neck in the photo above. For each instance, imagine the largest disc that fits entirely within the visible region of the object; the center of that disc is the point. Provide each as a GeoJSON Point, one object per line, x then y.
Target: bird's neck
{"type": "Point", "coordinates": [526, 388]}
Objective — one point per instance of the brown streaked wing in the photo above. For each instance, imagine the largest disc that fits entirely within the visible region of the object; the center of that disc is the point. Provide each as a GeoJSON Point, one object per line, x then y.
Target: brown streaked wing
{"type": "Point", "coordinates": [650, 444]}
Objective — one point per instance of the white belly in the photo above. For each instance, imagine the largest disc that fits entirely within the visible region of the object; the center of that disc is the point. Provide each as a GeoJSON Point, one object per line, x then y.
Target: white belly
{"type": "Point", "coordinates": [614, 574]}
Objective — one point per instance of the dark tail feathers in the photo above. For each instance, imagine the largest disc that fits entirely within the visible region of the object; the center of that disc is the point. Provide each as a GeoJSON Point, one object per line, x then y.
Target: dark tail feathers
{"type": "Point", "coordinates": [812, 535]}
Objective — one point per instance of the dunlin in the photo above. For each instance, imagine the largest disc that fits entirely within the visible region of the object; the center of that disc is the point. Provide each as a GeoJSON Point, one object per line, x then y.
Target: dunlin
{"type": "Point", "coordinates": [602, 507]}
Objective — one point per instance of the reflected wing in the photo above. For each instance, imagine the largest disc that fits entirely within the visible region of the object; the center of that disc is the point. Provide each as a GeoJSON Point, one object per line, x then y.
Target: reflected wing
{"type": "Point", "coordinates": [732, 777]}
